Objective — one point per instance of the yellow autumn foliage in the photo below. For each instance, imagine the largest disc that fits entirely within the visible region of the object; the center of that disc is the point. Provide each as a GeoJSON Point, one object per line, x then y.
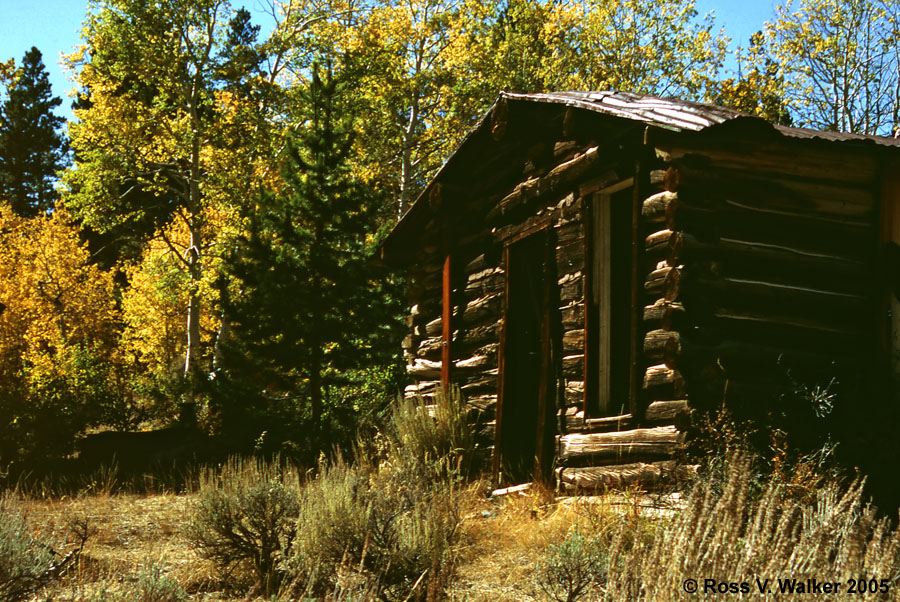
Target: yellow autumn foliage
{"type": "Point", "coordinates": [52, 296]}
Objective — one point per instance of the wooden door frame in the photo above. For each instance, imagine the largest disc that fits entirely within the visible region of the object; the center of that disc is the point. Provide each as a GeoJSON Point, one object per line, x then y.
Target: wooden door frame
{"type": "Point", "coordinates": [544, 453]}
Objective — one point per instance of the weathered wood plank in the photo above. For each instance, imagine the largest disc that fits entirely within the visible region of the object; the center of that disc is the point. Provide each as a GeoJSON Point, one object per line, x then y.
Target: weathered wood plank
{"type": "Point", "coordinates": [620, 447]}
{"type": "Point", "coordinates": [664, 282]}
{"type": "Point", "coordinates": [559, 176]}
{"type": "Point", "coordinates": [660, 208]}
{"type": "Point", "coordinates": [663, 314]}
{"type": "Point", "coordinates": [662, 346]}
{"type": "Point", "coordinates": [767, 160]}
{"type": "Point", "coordinates": [649, 477]}
{"type": "Point", "coordinates": [662, 383]}
{"type": "Point", "coordinates": [676, 411]}
{"type": "Point", "coordinates": [801, 196]}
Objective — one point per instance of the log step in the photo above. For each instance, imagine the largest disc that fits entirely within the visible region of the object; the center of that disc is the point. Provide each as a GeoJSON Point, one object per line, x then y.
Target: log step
{"type": "Point", "coordinates": [621, 447]}
{"type": "Point", "coordinates": [649, 477]}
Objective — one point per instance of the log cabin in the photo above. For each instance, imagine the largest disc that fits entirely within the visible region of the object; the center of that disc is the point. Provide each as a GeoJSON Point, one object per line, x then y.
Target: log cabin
{"type": "Point", "coordinates": [593, 269]}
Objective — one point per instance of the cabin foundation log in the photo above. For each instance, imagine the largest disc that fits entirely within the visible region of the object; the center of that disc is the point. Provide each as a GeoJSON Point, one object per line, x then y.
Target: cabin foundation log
{"type": "Point", "coordinates": [619, 447]}
{"type": "Point", "coordinates": [648, 477]}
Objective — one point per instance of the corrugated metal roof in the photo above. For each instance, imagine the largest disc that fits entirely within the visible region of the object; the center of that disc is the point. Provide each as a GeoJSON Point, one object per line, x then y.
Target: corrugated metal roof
{"type": "Point", "coordinates": [666, 113]}
{"type": "Point", "coordinates": [680, 115]}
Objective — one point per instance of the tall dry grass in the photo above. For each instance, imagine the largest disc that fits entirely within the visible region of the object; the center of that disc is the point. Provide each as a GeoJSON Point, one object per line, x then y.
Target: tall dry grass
{"type": "Point", "coordinates": [726, 535]}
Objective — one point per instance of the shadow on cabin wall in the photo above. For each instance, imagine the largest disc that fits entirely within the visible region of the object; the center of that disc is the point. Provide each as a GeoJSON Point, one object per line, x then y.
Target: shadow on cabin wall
{"type": "Point", "coordinates": [852, 409]}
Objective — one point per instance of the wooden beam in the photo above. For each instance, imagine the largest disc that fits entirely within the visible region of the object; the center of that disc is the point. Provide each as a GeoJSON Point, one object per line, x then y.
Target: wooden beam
{"type": "Point", "coordinates": [501, 371]}
{"type": "Point", "coordinates": [446, 319]}
{"type": "Point", "coordinates": [640, 191]}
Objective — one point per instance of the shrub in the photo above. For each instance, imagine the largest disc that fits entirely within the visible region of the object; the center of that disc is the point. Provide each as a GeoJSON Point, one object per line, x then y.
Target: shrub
{"type": "Point", "coordinates": [730, 536]}
{"type": "Point", "coordinates": [354, 525]}
{"type": "Point", "coordinates": [440, 432]}
{"type": "Point", "coordinates": [153, 585]}
{"type": "Point", "coordinates": [389, 523]}
{"type": "Point", "coordinates": [573, 568]}
{"type": "Point", "coordinates": [26, 561]}
{"type": "Point", "coordinates": [246, 515]}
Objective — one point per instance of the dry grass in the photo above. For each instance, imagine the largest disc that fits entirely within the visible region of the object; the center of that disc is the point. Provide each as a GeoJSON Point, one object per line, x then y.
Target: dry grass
{"type": "Point", "coordinates": [127, 534]}
{"type": "Point", "coordinates": [724, 532]}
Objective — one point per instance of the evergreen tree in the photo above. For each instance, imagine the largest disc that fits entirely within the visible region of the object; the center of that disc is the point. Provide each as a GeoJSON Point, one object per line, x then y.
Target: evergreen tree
{"type": "Point", "coordinates": [308, 311]}
{"type": "Point", "coordinates": [32, 151]}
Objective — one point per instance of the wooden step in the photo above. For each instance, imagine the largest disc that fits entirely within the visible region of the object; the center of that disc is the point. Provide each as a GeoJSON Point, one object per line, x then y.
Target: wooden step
{"type": "Point", "coordinates": [621, 447]}
{"type": "Point", "coordinates": [648, 477]}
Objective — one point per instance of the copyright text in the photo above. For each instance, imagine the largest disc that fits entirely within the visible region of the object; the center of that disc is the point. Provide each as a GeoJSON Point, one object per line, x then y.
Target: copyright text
{"type": "Point", "coordinates": [787, 586]}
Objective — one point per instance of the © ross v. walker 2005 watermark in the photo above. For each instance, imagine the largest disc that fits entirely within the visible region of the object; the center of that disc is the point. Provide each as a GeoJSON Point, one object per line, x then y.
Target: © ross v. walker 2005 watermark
{"type": "Point", "coordinates": [787, 586]}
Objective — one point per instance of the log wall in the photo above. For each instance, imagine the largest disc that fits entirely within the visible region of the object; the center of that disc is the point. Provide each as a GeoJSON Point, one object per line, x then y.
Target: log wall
{"type": "Point", "coordinates": [748, 265]}
{"type": "Point", "coordinates": [762, 274]}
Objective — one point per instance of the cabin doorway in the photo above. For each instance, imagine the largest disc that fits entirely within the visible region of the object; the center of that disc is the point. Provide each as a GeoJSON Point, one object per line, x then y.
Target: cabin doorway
{"type": "Point", "coordinates": [529, 357]}
{"type": "Point", "coordinates": [609, 282]}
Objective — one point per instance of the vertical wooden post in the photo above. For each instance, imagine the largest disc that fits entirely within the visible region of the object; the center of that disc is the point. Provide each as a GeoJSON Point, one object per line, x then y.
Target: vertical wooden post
{"type": "Point", "coordinates": [501, 365]}
{"type": "Point", "coordinates": [598, 307]}
{"type": "Point", "coordinates": [544, 451]}
{"type": "Point", "coordinates": [888, 327]}
{"type": "Point", "coordinates": [446, 323]}
{"type": "Point", "coordinates": [640, 190]}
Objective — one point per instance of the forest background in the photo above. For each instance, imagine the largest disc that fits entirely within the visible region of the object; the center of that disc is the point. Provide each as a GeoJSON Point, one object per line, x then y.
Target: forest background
{"type": "Point", "coordinates": [193, 247]}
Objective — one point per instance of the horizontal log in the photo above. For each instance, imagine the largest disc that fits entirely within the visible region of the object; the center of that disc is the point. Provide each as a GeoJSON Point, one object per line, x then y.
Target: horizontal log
{"type": "Point", "coordinates": [430, 348]}
{"type": "Point", "coordinates": [570, 258]}
{"type": "Point", "coordinates": [424, 369]}
{"type": "Point", "coordinates": [803, 197]}
{"type": "Point", "coordinates": [662, 346]}
{"type": "Point", "coordinates": [563, 149]}
{"type": "Point", "coordinates": [568, 233]}
{"type": "Point", "coordinates": [790, 331]}
{"type": "Point", "coordinates": [663, 383]}
{"type": "Point", "coordinates": [480, 385]}
{"type": "Point", "coordinates": [491, 283]}
{"type": "Point", "coordinates": [561, 175]}
{"type": "Point", "coordinates": [421, 388]}
{"type": "Point", "coordinates": [766, 160]}
{"type": "Point", "coordinates": [676, 411]}
{"type": "Point", "coordinates": [573, 342]}
{"type": "Point", "coordinates": [573, 366]}
{"type": "Point", "coordinates": [663, 283]}
{"type": "Point", "coordinates": [486, 272]}
{"type": "Point", "coordinates": [485, 404]}
{"type": "Point", "coordinates": [572, 315]}
{"type": "Point", "coordinates": [600, 183]}
{"type": "Point", "coordinates": [767, 362]}
{"type": "Point", "coordinates": [663, 314]}
{"type": "Point", "coordinates": [648, 477]}
{"type": "Point", "coordinates": [619, 447]}
{"type": "Point", "coordinates": [733, 220]}
{"type": "Point", "coordinates": [574, 393]}
{"type": "Point", "coordinates": [659, 208]}
{"type": "Point", "coordinates": [607, 423]}
{"type": "Point", "coordinates": [479, 335]}
{"type": "Point", "coordinates": [571, 287]}
{"type": "Point", "coordinates": [763, 297]}
{"type": "Point", "coordinates": [481, 310]}
{"type": "Point", "coordinates": [663, 245]}
{"type": "Point", "coordinates": [776, 260]}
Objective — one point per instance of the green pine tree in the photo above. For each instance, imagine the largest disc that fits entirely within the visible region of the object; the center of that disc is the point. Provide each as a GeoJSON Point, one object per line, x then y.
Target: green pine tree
{"type": "Point", "coordinates": [308, 311]}
{"type": "Point", "coordinates": [32, 149]}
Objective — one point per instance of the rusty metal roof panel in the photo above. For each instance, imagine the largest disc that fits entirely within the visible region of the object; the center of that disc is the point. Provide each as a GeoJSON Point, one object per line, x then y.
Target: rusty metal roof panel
{"type": "Point", "coordinates": [681, 115]}
{"type": "Point", "coordinates": [661, 112]}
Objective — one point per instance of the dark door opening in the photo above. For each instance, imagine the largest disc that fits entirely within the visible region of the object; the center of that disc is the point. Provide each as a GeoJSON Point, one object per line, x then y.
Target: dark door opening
{"type": "Point", "coordinates": [608, 299]}
{"type": "Point", "coordinates": [529, 356]}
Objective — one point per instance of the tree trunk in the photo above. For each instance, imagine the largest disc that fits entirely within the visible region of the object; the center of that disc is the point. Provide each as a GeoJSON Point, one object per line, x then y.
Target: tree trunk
{"type": "Point", "coordinates": [406, 162]}
{"type": "Point", "coordinates": [192, 347]}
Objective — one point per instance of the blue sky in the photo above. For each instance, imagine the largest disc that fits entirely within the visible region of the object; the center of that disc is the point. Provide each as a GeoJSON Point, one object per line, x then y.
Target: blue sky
{"type": "Point", "coordinates": [52, 26]}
